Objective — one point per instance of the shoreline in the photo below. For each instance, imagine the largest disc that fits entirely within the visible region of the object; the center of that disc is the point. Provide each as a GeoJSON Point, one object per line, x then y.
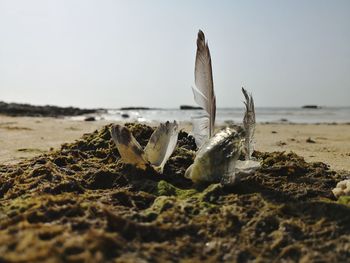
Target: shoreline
{"type": "Point", "coordinates": [26, 137]}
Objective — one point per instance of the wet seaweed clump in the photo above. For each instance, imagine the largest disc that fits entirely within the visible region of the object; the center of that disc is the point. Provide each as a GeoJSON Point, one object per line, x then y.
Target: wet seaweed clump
{"type": "Point", "coordinates": [81, 203]}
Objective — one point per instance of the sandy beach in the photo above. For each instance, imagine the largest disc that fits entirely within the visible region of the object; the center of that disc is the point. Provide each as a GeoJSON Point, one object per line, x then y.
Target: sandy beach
{"type": "Point", "coordinates": [25, 137]}
{"type": "Point", "coordinates": [82, 203]}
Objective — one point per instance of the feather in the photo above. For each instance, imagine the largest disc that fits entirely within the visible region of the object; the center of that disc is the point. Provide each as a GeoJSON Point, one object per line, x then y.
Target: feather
{"type": "Point", "coordinates": [161, 144]}
{"type": "Point", "coordinates": [248, 124]}
{"type": "Point", "coordinates": [129, 149]}
{"type": "Point", "coordinates": [204, 88]}
{"type": "Point", "coordinates": [200, 129]}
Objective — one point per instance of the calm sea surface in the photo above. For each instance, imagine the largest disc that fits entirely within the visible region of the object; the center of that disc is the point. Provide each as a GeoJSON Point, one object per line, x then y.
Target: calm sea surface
{"type": "Point", "coordinates": [294, 115]}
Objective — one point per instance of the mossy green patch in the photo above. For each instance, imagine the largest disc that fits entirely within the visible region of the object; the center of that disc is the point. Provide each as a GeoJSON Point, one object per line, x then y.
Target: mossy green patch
{"type": "Point", "coordinates": [167, 189]}
{"type": "Point", "coordinates": [344, 200]}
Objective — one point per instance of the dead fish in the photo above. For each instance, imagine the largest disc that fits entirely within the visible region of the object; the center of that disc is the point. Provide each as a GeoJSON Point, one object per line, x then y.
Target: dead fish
{"type": "Point", "coordinates": [217, 159]}
{"type": "Point", "coordinates": [157, 151]}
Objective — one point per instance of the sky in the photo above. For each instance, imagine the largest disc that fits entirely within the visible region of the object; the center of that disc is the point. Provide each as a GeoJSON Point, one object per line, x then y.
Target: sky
{"type": "Point", "coordinates": [111, 54]}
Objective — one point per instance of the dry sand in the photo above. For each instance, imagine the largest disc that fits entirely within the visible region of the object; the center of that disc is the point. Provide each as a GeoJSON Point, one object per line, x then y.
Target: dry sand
{"type": "Point", "coordinates": [24, 137]}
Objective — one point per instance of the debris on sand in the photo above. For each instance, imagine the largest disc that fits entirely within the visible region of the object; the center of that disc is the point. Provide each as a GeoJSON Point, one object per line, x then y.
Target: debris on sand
{"type": "Point", "coordinates": [281, 143]}
{"type": "Point", "coordinates": [309, 140]}
{"type": "Point", "coordinates": [81, 203]}
{"type": "Point", "coordinates": [342, 189]}
{"type": "Point", "coordinates": [91, 118]}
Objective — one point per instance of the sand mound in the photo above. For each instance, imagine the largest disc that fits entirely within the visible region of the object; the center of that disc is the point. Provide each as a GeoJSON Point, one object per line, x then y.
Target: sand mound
{"type": "Point", "coordinates": [82, 204]}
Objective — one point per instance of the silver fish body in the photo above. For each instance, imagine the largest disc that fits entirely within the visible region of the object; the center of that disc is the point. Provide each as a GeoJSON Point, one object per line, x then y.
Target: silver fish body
{"type": "Point", "coordinates": [215, 160]}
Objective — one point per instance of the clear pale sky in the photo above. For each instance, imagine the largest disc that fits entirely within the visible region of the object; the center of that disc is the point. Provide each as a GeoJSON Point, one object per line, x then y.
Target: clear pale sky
{"type": "Point", "coordinates": [141, 53]}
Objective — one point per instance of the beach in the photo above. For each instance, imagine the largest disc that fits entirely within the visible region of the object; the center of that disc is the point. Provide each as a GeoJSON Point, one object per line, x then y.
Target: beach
{"type": "Point", "coordinates": [26, 137]}
{"type": "Point", "coordinates": [174, 132]}
{"type": "Point", "coordinates": [69, 197]}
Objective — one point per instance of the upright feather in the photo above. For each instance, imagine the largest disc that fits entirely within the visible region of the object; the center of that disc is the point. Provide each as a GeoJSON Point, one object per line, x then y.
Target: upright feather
{"type": "Point", "coordinates": [248, 124]}
{"type": "Point", "coordinates": [204, 89]}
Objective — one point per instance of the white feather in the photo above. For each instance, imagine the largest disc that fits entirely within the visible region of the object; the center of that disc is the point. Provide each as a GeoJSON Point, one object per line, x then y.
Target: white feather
{"type": "Point", "coordinates": [249, 124]}
{"type": "Point", "coordinates": [200, 129]}
{"type": "Point", "coordinates": [204, 90]}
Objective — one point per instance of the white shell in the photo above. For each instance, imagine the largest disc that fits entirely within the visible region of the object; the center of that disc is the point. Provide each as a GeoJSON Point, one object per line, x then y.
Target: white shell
{"type": "Point", "coordinates": [157, 151]}
{"type": "Point", "coordinates": [161, 144]}
{"type": "Point", "coordinates": [342, 188]}
{"type": "Point", "coordinates": [129, 149]}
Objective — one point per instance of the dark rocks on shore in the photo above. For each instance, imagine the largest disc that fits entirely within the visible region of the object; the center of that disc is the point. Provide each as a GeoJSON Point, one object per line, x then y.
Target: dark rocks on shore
{"type": "Point", "coordinates": [17, 109]}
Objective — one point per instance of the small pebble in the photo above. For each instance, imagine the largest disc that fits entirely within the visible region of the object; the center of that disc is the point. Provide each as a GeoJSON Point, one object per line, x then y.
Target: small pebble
{"type": "Point", "coordinates": [90, 119]}
{"type": "Point", "coordinates": [309, 140]}
{"type": "Point", "coordinates": [280, 143]}
{"type": "Point", "coordinates": [342, 188]}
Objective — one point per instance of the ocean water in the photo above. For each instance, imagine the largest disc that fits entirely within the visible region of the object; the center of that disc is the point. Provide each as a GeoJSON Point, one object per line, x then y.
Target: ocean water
{"type": "Point", "coordinates": [263, 114]}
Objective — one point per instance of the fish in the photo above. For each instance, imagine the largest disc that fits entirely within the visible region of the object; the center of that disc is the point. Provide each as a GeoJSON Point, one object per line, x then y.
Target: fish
{"type": "Point", "coordinates": [203, 92]}
{"type": "Point", "coordinates": [157, 151]}
{"type": "Point", "coordinates": [215, 160]}
{"type": "Point", "coordinates": [248, 124]}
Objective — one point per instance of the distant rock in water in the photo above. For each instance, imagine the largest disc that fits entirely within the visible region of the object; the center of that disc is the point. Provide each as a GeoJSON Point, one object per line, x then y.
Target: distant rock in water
{"type": "Point", "coordinates": [17, 109]}
{"type": "Point", "coordinates": [311, 107]}
{"type": "Point", "coordinates": [125, 115]}
{"type": "Point", "coordinates": [136, 108]}
{"type": "Point", "coordinates": [188, 107]}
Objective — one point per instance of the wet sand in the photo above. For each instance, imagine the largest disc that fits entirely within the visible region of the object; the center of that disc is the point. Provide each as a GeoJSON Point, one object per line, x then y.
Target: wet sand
{"type": "Point", "coordinates": [25, 137]}
{"type": "Point", "coordinates": [326, 143]}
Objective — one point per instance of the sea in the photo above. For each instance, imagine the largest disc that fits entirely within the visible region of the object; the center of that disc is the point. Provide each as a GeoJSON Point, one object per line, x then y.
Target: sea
{"type": "Point", "coordinates": [231, 115]}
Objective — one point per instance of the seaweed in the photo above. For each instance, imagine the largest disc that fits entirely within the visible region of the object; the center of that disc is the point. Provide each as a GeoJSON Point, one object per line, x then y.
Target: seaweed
{"type": "Point", "coordinates": [82, 203]}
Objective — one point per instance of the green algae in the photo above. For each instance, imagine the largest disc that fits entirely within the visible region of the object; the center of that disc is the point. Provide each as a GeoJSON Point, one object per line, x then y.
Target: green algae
{"type": "Point", "coordinates": [345, 200]}
{"type": "Point", "coordinates": [166, 189]}
{"type": "Point", "coordinates": [83, 204]}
